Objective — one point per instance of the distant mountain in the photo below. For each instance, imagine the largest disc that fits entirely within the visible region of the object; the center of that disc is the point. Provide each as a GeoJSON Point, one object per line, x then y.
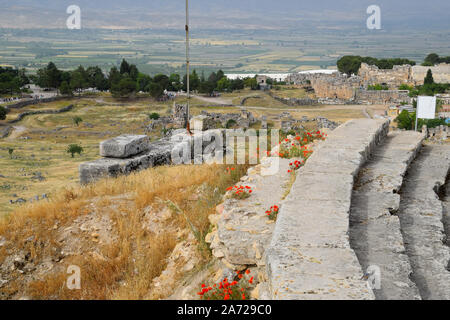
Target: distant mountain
{"type": "Point", "coordinates": [226, 13]}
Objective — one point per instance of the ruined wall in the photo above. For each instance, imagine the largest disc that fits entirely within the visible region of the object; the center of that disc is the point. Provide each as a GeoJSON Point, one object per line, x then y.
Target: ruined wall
{"type": "Point", "coordinates": [382, 96]}
{"type": "Point", "coordinates": [406, 74]}
{"type": "Point", "coordinates": [441, 73]}
{"type": "Point", "coordinates": [372, 75]}
{"type": "Point", "coordinates": [334, 86]}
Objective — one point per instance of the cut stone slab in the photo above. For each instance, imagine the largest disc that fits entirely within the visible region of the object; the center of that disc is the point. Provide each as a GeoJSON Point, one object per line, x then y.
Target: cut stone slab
{"type": "Point", "coordinates": [333, 217]}
{"type": "Point", "coordinates": [317, 274]}
{"type": "Point", "coordinates": [309, 256]}
{"type": "Point", "coordinates": [124, 146]}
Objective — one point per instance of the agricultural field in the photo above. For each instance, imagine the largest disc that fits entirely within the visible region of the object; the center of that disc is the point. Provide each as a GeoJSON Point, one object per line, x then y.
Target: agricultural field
{"type": "Point", "coordinates": [162, 50]}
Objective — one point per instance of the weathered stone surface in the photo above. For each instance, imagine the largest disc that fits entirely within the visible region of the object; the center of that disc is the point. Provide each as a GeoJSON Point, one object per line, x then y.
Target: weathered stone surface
{"type": "Point", "coordinates": [243, 228]}
{"type": "Point", "coordinates": [421, 217]}
{"type": "Point", "coordinates": [201, 147]}
{"type": "Point", "coordinates": [374, 232]}
{"type": "Point", "coordinates": [309, 256]}
{"type": "Point", "coordinates": [124, 146]}
{"type": "Point", "coordinates": [160, 154]}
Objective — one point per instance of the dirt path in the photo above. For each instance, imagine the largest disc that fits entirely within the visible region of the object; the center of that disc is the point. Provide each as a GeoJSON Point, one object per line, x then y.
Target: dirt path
{"type": "Point", "coordinates": [17, 131]}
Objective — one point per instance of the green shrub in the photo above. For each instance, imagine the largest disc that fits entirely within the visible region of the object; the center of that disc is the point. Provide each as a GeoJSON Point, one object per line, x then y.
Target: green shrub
{"type": "Point", "coordinates": [231, 123]}
{"type": "Point", "coordinates": [77, 120]}
{"type": "Point", "coordinates": [154, 116]}
{"type": "Point", "coordinates": [3, 113]}
{"type": "Point", "coordinates": [74, 148]}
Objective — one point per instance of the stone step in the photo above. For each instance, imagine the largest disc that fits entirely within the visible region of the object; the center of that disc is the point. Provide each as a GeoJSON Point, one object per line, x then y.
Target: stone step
{"type": "Point", "coordinates": [421, 216]}
{"type": "Point", "coordinates": [374, 232]}
{"type": "Point", "coordinates": [309, 256]}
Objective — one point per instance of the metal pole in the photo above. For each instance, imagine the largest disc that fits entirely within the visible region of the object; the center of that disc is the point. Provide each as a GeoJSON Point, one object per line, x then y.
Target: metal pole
{"type": "Point", "coordinates": [187, 65]}
{"type": "Point", "coordinates": [416, 121]}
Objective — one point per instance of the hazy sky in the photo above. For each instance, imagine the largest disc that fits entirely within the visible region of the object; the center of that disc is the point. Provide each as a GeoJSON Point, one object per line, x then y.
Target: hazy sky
{"type": "Point", "coordinates": [407, 13]}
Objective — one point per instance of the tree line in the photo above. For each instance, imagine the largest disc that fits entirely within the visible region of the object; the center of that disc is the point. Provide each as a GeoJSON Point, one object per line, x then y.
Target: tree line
{"type": "Point", "coordinates": [12, 80]}
{"type": "Point", "coordinates": [351, 64]}
{"type": "Point", "coordinates": [126, 80]}
{"type": "Point", "coordinates": [434, 59]}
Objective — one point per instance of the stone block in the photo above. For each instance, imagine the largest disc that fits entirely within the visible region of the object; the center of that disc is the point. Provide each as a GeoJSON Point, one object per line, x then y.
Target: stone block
{"type": "Point", "coordinates": [124, 146]}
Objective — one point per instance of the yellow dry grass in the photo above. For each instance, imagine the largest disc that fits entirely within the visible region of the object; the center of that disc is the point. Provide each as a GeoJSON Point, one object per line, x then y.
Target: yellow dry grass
{"type": "Point", "coordinates": [129, 263]}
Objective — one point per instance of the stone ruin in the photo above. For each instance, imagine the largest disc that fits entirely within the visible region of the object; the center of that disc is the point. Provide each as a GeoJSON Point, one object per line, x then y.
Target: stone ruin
{"type": "Point", "coordinates": [405, 74]}
{"type": "Point", "coordinates": [214, 120]}
{"type": "Point", "coordinates": [324, 123]}
{"type": "Point", "coordinates": [179, 117]}
{"type": "Point", "coordinates": [288, 123]}
{"type": "Point", "coordinates": [334, 88]}
{"type": "Point", "coordinates": [438, 134]}
{"type": "Point", "coordinates": [127, 153]}
{"type": "Point", "coordinates": [339, 88]}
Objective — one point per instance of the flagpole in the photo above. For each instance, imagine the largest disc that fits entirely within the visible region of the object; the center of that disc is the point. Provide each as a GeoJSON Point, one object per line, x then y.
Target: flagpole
{"type": "Point", "coordinates": [187, 66]}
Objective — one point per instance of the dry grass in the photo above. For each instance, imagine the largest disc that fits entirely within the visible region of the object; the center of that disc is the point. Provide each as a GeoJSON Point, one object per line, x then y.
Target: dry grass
{"type": "Point", "coordinates": [127, 265]}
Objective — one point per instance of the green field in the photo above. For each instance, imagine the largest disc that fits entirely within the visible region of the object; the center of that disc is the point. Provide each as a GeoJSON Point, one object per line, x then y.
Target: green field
{"type": "Point", "coordinates": [155, 51]}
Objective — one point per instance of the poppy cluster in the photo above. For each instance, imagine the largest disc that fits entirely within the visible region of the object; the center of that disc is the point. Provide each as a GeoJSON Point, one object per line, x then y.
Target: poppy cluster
{"type": "Point", "coordinates": [228, 170]}
{"type": "Point", "coordinates": [273, 212]}
{"type": "Point", "coordinates": [295, 165]}
{"type": "Point", "coordinates": [226, 290]}
{"type": "Point", "coordinates": [240, 192]}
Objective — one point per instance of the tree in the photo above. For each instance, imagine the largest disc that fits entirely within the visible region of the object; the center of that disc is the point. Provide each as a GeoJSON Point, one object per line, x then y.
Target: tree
{"type": "Point", "coordinates": [96, 78]}
{"type": "Point", "coordinates": [223, 84]}
{"type": "Point", "coordinates": [78, 80]}
{"type": "Point", "coordinates": [134, 72]}
{"type": "Point", "coordinates": [162, 79]}
{"type": "Point", "coordinates": [405, 120]}
{"type": "Point", "coordinates": [124, 67]}
{"type": "Point", "coordinates": [53, 76]}
{"type": "Point", "coordinates": [114, 77]}
{"type": "Point", "coordinates": [429, 78]}
{"type": "Point", "coordinates": [174, 82]}
{"type": "Point", "coordinates": [65, 89]}
{"type": "Point", "coordinates": [236, 84]}
{"type": "Point", "coordinates": [143, 81]}
{"type": "Point", "coordinates": [74, 148]}
{"type": "Point", "coordinates": [431, 59]}
{"type": "Point", "coordinates": [251, 83]}
{"type": "Point", "coordinates": [10, 152]}
{"type": "Point", "coordinates": [194, 81]}
{"type": "Point", "coordinates": [349, 64]}
{"type": "Point", "coordinates": [156, 90]}
{"type": "Point", "coordinates": [124, 89]}
{"type": "Point", "coordinates": [206, 87]}
{"type": "Point", "coordinates": [3, 112]}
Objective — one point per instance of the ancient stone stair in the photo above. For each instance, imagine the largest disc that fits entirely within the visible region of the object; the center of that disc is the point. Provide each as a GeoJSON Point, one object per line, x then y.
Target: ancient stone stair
{"type": "Point", "coordinates": [380, 198]}
{"type": "Point", "coordinates": [375, 233]}
{"type": "Point", "coordinates": [424, 221]}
